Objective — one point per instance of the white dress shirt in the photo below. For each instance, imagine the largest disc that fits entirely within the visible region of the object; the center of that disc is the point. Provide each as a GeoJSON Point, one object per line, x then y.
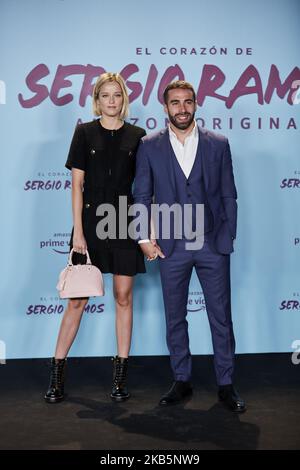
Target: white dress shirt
{"type": "Point", "coordinates": [185, 153]}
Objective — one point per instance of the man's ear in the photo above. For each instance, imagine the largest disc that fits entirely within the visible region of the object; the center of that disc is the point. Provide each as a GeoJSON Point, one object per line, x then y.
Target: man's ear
{"type": "Point", "coordinates": [166, 109]}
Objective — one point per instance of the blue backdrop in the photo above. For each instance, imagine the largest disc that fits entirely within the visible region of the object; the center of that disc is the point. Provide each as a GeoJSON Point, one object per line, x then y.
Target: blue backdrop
{"type": "Point", "coordinates": [242, 59]}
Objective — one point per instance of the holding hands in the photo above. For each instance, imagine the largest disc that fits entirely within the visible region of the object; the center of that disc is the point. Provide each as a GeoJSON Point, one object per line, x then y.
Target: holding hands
{"type": "Point", "coordinates": [151, 250]}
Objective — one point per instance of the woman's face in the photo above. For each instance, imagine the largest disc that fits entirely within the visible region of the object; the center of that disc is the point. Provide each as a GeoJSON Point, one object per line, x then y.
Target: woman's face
{"type": "Point", "coordinates": [110, 99]}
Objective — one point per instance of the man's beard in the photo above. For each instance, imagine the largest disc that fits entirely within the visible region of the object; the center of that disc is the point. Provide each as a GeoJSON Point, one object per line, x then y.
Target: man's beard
{"type": "Point", "coordinates": [182, 125]}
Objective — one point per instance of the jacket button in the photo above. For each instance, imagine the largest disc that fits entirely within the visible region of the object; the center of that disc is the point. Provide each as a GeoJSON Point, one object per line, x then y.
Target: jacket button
{"type": "Point", "coordinates": [87, 206]}
{"type": "Point", "coordinates": [93, 151]}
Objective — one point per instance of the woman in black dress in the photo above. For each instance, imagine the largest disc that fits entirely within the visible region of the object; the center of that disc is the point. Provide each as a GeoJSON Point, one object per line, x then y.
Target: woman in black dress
{"type": "Point", "coordinates": [102, 159]}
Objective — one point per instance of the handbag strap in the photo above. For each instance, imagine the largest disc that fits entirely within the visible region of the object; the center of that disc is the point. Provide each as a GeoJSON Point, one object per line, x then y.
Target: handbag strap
{"type": "Point", "coordinates": [88, 259]}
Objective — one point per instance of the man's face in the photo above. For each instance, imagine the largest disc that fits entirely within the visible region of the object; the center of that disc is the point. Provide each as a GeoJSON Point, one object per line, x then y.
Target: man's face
{"type": "Point", "coordinates": [180, 107]}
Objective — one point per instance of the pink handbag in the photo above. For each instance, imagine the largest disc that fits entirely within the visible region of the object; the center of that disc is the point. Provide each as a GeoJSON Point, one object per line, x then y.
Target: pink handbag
{"type": "Point", "coordinates": [80, 280]}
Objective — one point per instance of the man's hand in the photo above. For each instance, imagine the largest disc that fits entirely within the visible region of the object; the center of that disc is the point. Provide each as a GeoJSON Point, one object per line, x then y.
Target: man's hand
{"type": "Point", "coordinates": [151, 250]}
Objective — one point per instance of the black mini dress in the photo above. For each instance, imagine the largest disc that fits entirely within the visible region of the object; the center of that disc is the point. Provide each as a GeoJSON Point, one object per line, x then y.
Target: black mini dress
{"type": "Point", "coordinates": [108, 159]}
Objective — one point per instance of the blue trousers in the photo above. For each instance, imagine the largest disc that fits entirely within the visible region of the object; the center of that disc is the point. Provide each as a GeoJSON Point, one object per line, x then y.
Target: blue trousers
{"type": "Point", "coordinates": [213, 271]}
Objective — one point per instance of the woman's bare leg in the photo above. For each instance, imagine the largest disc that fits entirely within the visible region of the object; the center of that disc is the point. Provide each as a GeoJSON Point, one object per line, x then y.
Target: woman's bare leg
{"type": "Point", "coordinates": [69, 326]}
{"type": "Point", "coordinates": [123, 286]}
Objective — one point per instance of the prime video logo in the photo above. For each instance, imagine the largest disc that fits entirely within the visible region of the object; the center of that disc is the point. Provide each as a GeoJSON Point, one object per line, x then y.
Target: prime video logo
{"type": "Point", "coordinates": [2, 92]}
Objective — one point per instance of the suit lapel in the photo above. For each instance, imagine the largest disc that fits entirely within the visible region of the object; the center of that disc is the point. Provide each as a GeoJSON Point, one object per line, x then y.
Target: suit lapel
{"type": "Point", "coordinates": [166, 154]}
{"type": "Point", "coordinates": [197, 165]}
{"type": "Point", "coordinates": [203, 148]}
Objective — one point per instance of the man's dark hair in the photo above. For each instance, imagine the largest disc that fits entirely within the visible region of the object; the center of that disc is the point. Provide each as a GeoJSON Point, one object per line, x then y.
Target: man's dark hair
{"type": "Point", "coordinates": [178, 84]}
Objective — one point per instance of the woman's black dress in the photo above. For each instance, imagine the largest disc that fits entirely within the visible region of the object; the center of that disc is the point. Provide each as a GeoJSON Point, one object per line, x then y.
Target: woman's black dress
{"type": "Point", "coordinates": [108, 159]}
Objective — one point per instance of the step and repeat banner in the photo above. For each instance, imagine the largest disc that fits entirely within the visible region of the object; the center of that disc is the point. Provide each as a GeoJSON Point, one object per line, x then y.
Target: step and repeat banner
{"type": "Point", "coordinates": [243, 60]}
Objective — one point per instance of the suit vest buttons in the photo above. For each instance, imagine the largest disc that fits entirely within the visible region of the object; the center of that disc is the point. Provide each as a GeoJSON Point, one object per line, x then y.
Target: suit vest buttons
{"type": "Point", "coordinates": [87, 206]}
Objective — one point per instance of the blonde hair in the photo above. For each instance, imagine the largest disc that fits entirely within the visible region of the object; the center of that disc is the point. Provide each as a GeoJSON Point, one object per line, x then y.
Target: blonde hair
{"type": "Point", "coordinates": [105, 78]}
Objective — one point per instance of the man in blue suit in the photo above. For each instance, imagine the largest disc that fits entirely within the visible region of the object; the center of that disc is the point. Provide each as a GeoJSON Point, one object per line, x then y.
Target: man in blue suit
{"type": "Point", "coordinates": [187, 165]}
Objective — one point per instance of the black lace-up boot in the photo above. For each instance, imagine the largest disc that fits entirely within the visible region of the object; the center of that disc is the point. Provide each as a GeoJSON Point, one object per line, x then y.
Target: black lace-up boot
{"type": "Point", "coordinates": [119, 391]}
{"type": "Point", "coordinates": [55, 392]}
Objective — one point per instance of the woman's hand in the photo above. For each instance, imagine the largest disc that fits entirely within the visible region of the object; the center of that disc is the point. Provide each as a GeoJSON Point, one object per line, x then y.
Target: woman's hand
{"type": "Point", "coordinates": [79, 243]}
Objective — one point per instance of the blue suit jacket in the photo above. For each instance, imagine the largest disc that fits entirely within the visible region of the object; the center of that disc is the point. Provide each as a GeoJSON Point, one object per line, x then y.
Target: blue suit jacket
{"type": "Point", "coordinates": [155, 177]}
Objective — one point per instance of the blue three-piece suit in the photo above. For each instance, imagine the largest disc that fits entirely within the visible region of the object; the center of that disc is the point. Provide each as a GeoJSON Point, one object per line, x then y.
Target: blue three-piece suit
{"type": "Point", "coordinates": [210, 182]}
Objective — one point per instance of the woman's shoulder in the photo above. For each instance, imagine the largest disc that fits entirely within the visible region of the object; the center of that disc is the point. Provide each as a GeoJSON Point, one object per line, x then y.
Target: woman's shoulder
{"type": "Point", "coordinates": [134, 130]}
{"type": "Point", "coordinates": [88, 125]}
{"type": "Point", "coordinates": [87, 130]}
